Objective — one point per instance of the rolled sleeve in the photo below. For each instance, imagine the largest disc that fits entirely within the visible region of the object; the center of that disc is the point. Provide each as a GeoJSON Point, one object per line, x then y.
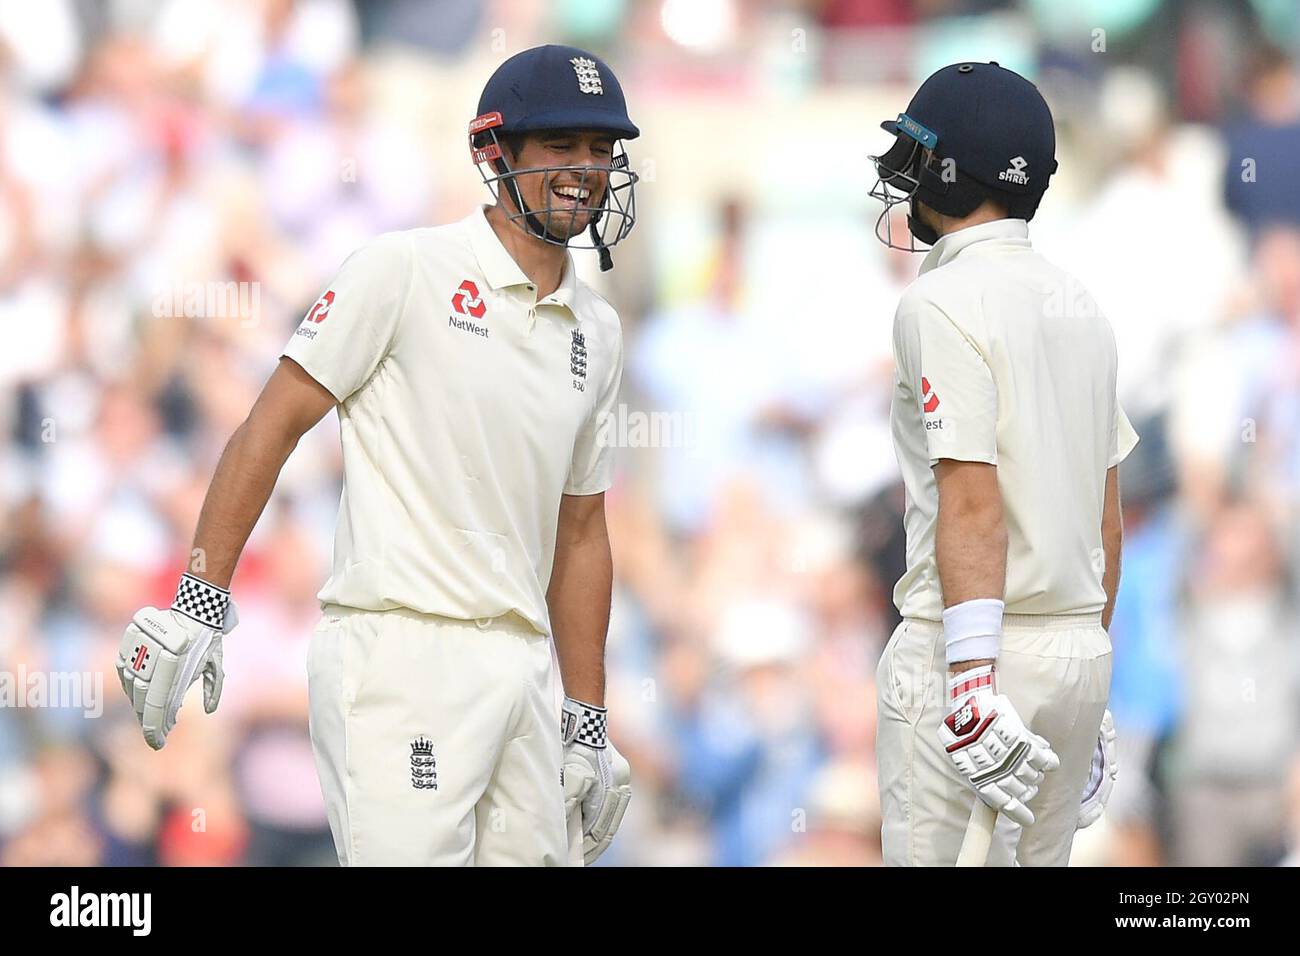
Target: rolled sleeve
{"type": "Point", "coordinates": [1123, 437]}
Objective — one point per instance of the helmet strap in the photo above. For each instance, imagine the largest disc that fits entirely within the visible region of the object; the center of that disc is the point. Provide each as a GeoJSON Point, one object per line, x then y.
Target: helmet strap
{"type": "Point", "coordinates": [597, 240]}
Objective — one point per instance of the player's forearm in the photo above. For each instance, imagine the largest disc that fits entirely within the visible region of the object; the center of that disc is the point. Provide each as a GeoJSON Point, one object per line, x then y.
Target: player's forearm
{"type": "Point", "coordinates": [1112, 541]}
{"type": "Point", "coordinates": [240, 488]}
{"type": "Point", "coordinates": [1112, 545]}
{"type": "Point", "coordinates": [971, 552]}
{"type": "Point", "coordinates": [579, 598]}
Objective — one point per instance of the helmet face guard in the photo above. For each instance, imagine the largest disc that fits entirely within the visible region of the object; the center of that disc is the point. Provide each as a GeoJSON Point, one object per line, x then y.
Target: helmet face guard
{"type": "Point", "coordinates": [897, 180]}
{"type": "Point", "coordinates": [902, 174]}
{"type": "Point", "coordinates": [609, 217]}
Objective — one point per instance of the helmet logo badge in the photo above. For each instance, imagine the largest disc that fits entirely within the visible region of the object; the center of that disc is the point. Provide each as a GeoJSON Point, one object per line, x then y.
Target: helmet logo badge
{"type": "Point", "coordinates": [1015, 173]}
{"type": "Point", "coordinates": [588, 75]}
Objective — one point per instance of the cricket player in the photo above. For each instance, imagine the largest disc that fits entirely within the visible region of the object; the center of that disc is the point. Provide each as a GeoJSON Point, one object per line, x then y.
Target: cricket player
{"type": "Point", "coordinates": [1007, 429]}
{"type": "Point", "coordinates": [471, 371]}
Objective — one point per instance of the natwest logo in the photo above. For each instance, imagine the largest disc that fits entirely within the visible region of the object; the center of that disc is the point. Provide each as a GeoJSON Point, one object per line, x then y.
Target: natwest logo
{"type": "Point", "coordinates": [321, 308]}
{"type": "Point", "coordinates": [929, 400]}
{"type": "Point", "coordinates": [466, 301]}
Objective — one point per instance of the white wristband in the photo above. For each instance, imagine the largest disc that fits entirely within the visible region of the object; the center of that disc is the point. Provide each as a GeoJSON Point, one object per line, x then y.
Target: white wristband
{"type": "Point", "coordinates": [972, 630]}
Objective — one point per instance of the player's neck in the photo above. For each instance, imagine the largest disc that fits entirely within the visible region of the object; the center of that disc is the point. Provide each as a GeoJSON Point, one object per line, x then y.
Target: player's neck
{"type": "Point", "coordinates": [947, 225]}
{"type": "Point", "coordinates": [541, 261]}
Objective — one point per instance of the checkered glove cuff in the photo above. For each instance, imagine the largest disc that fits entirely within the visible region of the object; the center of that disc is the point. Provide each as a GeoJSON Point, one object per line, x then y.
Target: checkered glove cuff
{"type": "Point", "coordinates": [200, 601]}
{"type": "Point", "coordinates": [583, 723]}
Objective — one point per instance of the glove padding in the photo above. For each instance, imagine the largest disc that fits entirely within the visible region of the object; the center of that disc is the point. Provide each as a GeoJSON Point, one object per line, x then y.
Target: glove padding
{"type": "Point", "coordinates": [161, 655]}
{"type": "Point", "coordinates": [992, 749]}
{"type": "Point", "coordinates": [597, 779]}
{"type": "Point", "coordinates": [1102, 776]}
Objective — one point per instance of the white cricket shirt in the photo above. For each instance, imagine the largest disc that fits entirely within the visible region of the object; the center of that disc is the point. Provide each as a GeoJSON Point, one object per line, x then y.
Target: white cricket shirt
{"type": "Point", "coordinates": [1003, 358]}
{"type": "Point", "coordinates": [467, 408]}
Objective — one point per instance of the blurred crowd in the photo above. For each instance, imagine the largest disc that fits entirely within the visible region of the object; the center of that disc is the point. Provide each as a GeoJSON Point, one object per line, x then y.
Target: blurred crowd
{"type": "Point", "coordinates": [180, 178]}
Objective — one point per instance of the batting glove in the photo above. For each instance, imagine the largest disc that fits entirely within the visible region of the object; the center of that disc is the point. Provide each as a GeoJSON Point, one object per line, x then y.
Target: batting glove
{"type": "Point", "coordinates": [993, 750]}
{"type": "Point", "coordinates": [597, 780]}
{"type": "Point", "coordinates": [1102, 776]}
{"type": "Point", "coordinates": [164, 652]}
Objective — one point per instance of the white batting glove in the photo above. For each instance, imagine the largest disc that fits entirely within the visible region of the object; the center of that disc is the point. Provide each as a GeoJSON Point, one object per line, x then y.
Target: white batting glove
{"type": "Point", "coordinates": [993, 750]}
{"type": "Point", "coordinates": [164, 652]}
{"type": "Point", "coordinates": [597, 780]}
{"type": "Point", "coordinates": [1102, 776]}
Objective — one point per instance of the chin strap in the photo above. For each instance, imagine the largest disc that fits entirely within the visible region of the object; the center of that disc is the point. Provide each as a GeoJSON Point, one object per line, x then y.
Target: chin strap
{"type": "Point", "coordinates": [597, 240]}
{"type": "Point", "coordinates": [606, 260]}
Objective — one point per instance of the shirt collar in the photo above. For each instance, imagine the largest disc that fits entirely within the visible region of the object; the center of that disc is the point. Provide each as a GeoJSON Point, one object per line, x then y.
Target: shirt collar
{"type": "Point", "coordinates": [1008, 231]}
{"type": "Point", "coordinates": [500, 269]}
{"type": "Point", "coordinates": [566, 293]}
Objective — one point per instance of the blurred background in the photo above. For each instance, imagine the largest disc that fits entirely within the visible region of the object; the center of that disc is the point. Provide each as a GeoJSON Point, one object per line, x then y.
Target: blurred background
{"type": "Point", "coordinates": [180, 178]}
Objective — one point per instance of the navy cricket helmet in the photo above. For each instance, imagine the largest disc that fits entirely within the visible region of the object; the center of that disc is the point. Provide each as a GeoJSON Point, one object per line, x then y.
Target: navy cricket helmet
{"type": "Point", "coordinates": [973, 131]}
{"type": "Point", "coordinates": [558, 88]}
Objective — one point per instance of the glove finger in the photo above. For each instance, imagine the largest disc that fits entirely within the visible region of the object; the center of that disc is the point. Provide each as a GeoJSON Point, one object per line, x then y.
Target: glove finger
{"type": "Point", "coordinates": [611, 818]}
{"type": "Point", "coordinates": [152, 723]}
{"type": "Point", "coordinates": [139, 694]}
{"type": "Point", "coordinates": [1028, 776]}
{"type": "Point", "coordinates": [1018, 812]}
{"type": "Point", "coordinates": [214, 676]}
{"type": "Point", "coordinates": [610, 815]}
{"type": "Point", "coordinates": [126, 678]}
{"type": "Point", "coordinates": [578, 781]}
{"type": "Point", "coordinates": [1021, 783]}
{"type": "Point", "coordinates": [1041, 755]}
{"type": "Point", "coordinates": [994, 796]}
{"type": "Point", "coordinates": [593, 804]}
{"type": "Point", "coordinates": [163, 701]}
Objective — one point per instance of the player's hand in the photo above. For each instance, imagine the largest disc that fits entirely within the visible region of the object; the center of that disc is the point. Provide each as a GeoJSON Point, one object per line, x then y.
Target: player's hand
{"type": "Point", "coordinates": [163, 652]}
{"type": "Point", "coordinates": [1102, 776]}
{"type": "Point", "coordinates": [992, 749]}
{"type": "Point", "coordinates": [597, 780]}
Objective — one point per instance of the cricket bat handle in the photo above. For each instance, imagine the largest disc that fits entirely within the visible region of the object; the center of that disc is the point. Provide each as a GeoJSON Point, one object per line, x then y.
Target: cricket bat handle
{"type": "Point", "coordinates": [979, 835]}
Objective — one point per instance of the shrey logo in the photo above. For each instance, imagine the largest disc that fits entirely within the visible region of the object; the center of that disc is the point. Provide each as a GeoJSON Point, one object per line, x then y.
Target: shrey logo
{"type": "Point", "coordinates": [322, 308]}
{"type": "Point", "coordinates": [466, 301]}
{"type": "Point", "coordinates": [588, 75]}
{"type": "Point", "coordinates": [1016, 172]}
{"type": "Point", "coordinates": [930, 401]}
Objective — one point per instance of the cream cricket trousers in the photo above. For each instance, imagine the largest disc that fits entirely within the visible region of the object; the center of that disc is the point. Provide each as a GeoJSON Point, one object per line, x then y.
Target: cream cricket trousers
{"type": "Point", "coordinates": [1055, 669]}
{"type": "Point", "coordinates": [437, 740]}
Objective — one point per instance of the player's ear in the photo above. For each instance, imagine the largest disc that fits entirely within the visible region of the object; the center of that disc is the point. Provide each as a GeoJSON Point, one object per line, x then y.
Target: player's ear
{"type": "Point", "coordinates": [513, 145]}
